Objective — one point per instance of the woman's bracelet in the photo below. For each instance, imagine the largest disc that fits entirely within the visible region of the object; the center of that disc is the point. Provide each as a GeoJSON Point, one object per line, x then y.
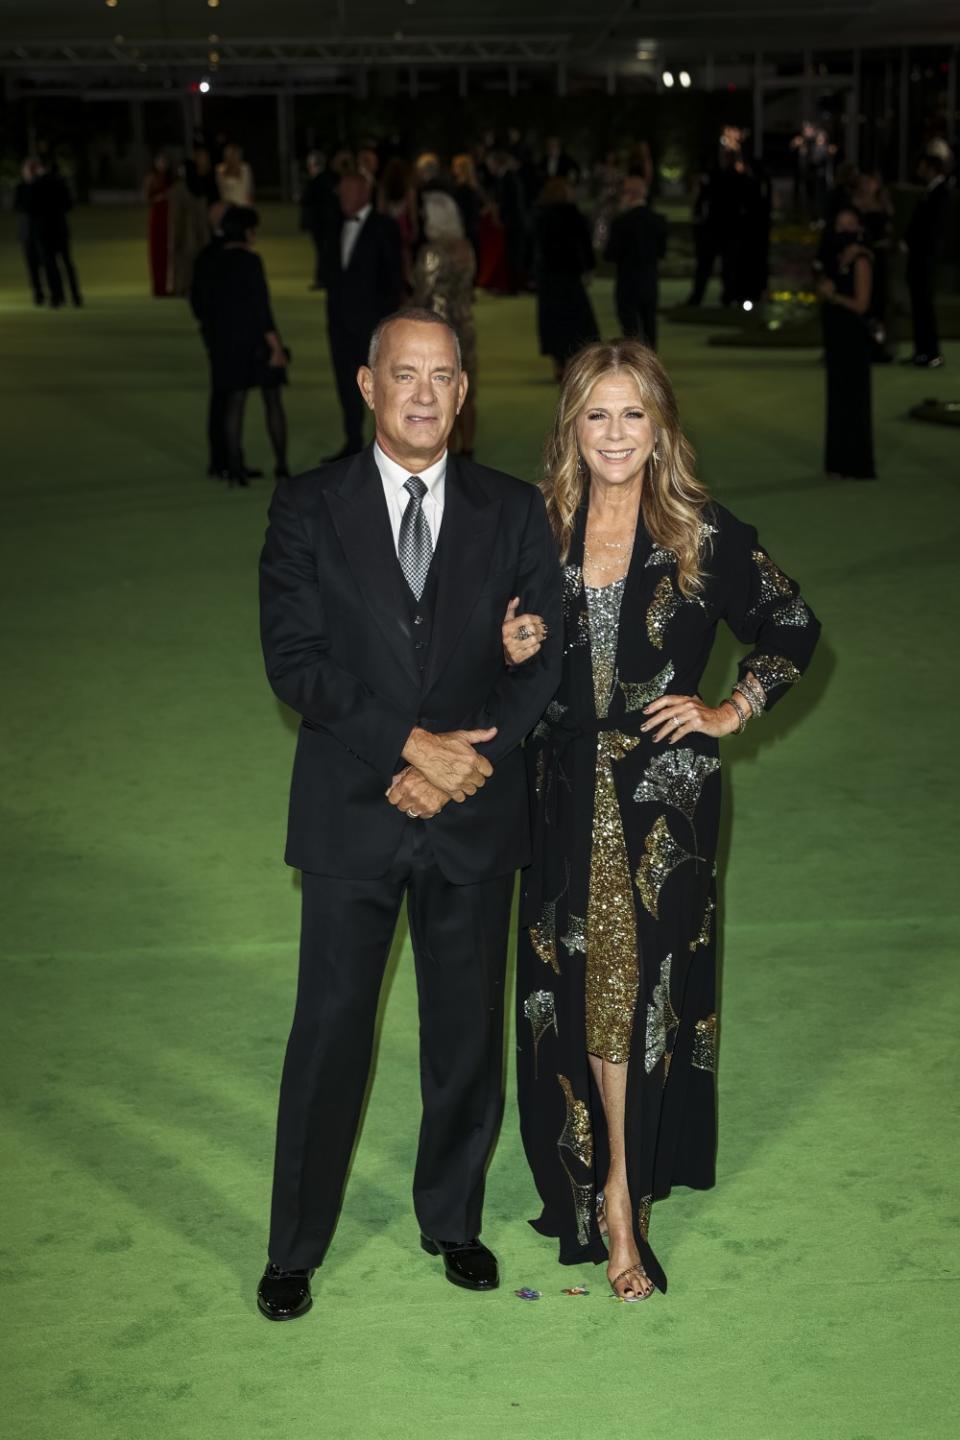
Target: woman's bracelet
{"type": "Point", "coordinates": [742, 715]}
{"type": "Point", "coordinates": [753, 693]}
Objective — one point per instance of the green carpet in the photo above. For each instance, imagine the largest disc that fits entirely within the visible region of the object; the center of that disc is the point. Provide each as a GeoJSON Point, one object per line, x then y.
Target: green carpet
{"type": "Point", "coordinates": [149, 934]}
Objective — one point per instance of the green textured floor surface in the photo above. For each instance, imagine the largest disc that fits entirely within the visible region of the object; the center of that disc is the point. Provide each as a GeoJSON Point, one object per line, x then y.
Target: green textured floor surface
{"type": "Point", "coordinates": [149, 937]}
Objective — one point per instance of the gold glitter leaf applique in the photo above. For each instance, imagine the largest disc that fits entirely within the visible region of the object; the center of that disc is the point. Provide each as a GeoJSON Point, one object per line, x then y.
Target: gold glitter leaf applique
{"type": "Point", "coordinates": [796, 613]}
{"type": "Point", "coordinates": [706, 927]}
{"type": "Point", "coordinates": [705, 1044]}
{"type": "Point", "coordinates": [543, 935]}
{"type": "Point", "coordinates": [637, 693]}
{"type": "Point", "coordinates": [773, 670]}
{"type": "Point", "coordinates": [577, 1134]}
{"type": "Point", "coordinates": [676, 778]}
{"type": "Point", "coordinates": [540, 1009]}
{"type": "Point", "coordinates": [661, 1020]}
{"type": "Point", "coordinates": [643, 1215]}
{"type": "Point", "coordinates": [664, 605]}
{"type": "Point", "coordinates": [661, 856]}
{"type": "Point", "coordinates": [773, 582]}
{"type": "Point", "coordinates": [575, 939]}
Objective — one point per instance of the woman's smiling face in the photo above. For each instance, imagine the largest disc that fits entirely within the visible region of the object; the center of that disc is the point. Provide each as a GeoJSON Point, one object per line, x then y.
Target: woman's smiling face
{"type": "Point", "coordinates": [615, 434]}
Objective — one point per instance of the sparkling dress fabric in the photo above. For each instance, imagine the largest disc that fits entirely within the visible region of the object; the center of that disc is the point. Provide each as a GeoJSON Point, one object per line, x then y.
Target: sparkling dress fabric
{"type": "Point", "coordinates": [617, 950]}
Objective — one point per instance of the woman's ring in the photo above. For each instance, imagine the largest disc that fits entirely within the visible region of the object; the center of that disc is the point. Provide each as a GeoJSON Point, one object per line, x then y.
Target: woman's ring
{"type": "Point", "coordinates": [523, 633]}
{"type": "Point", "coordinates": [676, 721]}
{"type": "Point", "coordinates": [414, 814]}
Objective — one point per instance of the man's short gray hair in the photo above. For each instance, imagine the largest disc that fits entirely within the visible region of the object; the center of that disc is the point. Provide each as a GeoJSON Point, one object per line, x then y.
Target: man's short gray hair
{"type": "Point", "coordinates": [420, 316]}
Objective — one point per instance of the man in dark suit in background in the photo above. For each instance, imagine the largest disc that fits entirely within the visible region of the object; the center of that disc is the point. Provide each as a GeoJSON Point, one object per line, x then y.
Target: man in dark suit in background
{"type": "Point", "coordinates": [924, 241]}
{"type": "Point", "coordinates": [364, 279]}
{"type": "Point", "coordinates": [23, 204]}
{"type": "Point", "coordinates": [318, 203]}
{"type": "Point", "coordinates": [384, 582]}
{"type": "Point", "coordinates": [51, 201]}
{"type": "Point", "coordinates": [636, 245]}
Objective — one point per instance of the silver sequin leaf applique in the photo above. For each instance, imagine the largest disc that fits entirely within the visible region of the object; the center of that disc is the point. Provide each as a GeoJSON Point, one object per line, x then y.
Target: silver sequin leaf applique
{"type": "Point", "coordinates": [543, 935]}
{"type": "Point", "coordinates": [773, 582]}
{"type": "Point", "coordinates": [555, 713]}
{"type": "Point", "coordinates": [661, 856]}
{"type": "Point", "coordinates": [796, 613]}
{"type": "Point", "coordinates": [773, 670]}
{"type": "Point", "coordinates": [540, 1009]}
{"type": "Point", "coordinates": [662, 1020]}
{"type": "Point", "coordinates": [637, 693]}
{"type": "Point", "coordinates": [705, 1044]}
{"type": "Point", "coordinates": [659, 555]}
{"type": "Point", "coordinates": [661, 610]}
{"type": "Point", "coordinates": [575, 940]}
{"type": "Point", "coordinates": [676, 778]}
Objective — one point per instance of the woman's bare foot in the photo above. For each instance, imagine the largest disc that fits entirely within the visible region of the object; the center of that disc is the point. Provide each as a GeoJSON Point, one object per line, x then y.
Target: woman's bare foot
{"type": "Point", "coordinates": [628, 1279]}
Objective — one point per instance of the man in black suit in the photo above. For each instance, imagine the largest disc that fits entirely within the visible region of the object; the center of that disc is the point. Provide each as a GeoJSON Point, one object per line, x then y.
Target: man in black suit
{"type": "Point", "coordinates": [364, 284]}
{"type": "Point", "coordinates": [23, 204]}
{"type": "Point", "coordinates": [924, 240]}
{"type": "Point", "coordinates": [51, 203]}
{"type": "Point", "coordinates": [636, 245]}
{"type": "Point", "coordinates": [384, 581]}
{"type": "Point", "coordinates": [317, 203]}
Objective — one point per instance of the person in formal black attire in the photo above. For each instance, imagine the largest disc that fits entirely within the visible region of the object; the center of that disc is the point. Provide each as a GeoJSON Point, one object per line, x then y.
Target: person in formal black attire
{"type": "Point", "coordinates": [469, 197]}
{"type": "Point", "coordinates": [617, 1014]}
{"type": "Point", "coordinates": [200, 287]}
{"type": "Point", "coordinates": [557, 163]}
{"type": "Point", "coordinates": [231, 300]}
{"type": "Point", "coordinates": [510, 200]}
{"type": "Point", "coordinates": [924, 239]}
{"type": "Point", "coordinates": [52, 202]}
{"type": "Point", "coordinates": [364, 284]}
{"type": "Point", "coordinates": [876, 215]}
{"type": "Point", "coordinates": [564, 254]}
{"type": "Point", "coordinates": [754, 211]}
{"type": "Point", "coordinates": [636, 245]}
{"type": "Point", "coordinates": [384, 580]}
{"type": "Point", "coordinates": [716, 233]}
{"type": "Point", "coordinates": [318, 205]}
{"type": "Point", "coordinates": [23, 204]}
{"type": "Point", "coordinates": [845, 290]}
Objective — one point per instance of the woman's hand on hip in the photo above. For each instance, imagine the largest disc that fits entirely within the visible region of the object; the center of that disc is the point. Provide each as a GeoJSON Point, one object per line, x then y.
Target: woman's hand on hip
{"type": "Point", "coordinates": [523, 635]}
{"type": "Point", "coordinates": [674, 716]}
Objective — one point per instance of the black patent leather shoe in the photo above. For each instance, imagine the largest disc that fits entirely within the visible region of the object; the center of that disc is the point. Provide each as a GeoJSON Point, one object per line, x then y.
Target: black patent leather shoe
{"type": "Point", "coordinates": [284, 1294]}
{"type": "Point", "coordinates": [467, 1263]}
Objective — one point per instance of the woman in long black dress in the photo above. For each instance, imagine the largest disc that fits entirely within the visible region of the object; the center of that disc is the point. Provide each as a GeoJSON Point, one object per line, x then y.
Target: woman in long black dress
{"type": "Point", "coordinates": [845, 289]}
{"type": "Point", "coordinates": [232, 303]}
{"type": "Point", "coordinates": [616, 1026]}
{"type": "Point", "coordinates": [564, 254]}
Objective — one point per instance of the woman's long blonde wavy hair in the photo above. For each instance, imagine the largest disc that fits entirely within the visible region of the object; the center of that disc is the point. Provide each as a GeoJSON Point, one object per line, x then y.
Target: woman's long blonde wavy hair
{"type": "Point", "coordinates": [672, 500]}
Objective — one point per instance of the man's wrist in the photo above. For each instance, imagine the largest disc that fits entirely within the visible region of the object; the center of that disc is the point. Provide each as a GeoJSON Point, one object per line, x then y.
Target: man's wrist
{"type": "Point", "coordinates": [414, 747]}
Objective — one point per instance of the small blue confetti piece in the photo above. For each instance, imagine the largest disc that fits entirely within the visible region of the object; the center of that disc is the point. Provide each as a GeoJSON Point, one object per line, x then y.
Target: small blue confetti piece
{"type": "Point", "coordinates": [526, 1294]}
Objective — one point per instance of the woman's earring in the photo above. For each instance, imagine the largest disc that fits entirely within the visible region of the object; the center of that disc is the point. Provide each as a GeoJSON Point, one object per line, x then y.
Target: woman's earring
{"type": "Point", "coordinates": [581, 467]}
{"type": "Point", "coordinates": [655, 455]}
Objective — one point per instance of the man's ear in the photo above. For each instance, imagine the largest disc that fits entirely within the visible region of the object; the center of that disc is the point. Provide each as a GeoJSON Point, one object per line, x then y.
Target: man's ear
{"type": "Point", "coordinates": [365, 381]}
{"type": "Point", "coordinates": [463, 387]}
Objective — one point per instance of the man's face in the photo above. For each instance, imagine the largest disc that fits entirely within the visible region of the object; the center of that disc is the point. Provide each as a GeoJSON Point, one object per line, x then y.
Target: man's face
{"type": "Point", "coordinates": [354, 194]}
{"type": "Point", "coordinates": [414, 391]}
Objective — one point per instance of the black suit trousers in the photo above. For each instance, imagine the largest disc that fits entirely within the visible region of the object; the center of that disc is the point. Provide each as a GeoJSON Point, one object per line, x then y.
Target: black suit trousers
{"type": "Point", "coordinates": [637, 315]}
{"type": "Point", "coordinates": [459, 936]}
{"type": "Point", "coordinates": [348, 351]}
{"type": "Point", "coordinates": [921, 280]}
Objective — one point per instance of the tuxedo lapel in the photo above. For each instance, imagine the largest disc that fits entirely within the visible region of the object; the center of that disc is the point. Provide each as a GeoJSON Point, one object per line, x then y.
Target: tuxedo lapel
{"type": "Point", "coordinates": [467, 536]}
{"type": "Point", "coordinates": [359, 513]}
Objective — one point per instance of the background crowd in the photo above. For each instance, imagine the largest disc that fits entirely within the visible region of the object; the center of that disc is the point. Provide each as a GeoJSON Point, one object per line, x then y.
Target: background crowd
{"type": "Point", "coordinates": [508, 216]}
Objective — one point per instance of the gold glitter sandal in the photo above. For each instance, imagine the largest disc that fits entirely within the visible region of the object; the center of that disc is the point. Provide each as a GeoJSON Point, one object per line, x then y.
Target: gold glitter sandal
{"type": "Point", "coordinates": [632, 1270]}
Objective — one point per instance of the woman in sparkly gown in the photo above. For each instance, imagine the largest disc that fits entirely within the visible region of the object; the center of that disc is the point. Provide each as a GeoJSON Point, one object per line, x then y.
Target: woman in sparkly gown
{"type": "Point", "coordinates": [616, 969]}
{"type": "Point", "coordinates": [443, 279]}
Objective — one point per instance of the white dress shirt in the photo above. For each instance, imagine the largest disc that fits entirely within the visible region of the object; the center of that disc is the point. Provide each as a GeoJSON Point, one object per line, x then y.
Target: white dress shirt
{"type": "Point", "coordinates": [397, 498]}
{"type": "Point", "coordinates": [350, 234]}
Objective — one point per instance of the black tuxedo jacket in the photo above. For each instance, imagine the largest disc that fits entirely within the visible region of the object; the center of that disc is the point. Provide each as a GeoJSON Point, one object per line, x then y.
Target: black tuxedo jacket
{"type": "Point", "coordinates": [339, 649]}
{"type": "Point", "coordinates": [925, 230]}
{"type": "Point", "coordinates": [637, 244]}
{"type": "Point", "coordinates": [371, 286]}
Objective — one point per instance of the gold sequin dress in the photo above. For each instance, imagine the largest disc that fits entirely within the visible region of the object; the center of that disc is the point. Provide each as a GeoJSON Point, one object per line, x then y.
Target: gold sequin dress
{"type": "Point", "coordinates": [443, 282]}
{"type": "Point", "coordinates": [617, 949]}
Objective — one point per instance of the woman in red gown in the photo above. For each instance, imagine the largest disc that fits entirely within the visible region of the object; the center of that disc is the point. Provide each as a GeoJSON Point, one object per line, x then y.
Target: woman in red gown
{"type": "Point", "coordinates": [156, 192]}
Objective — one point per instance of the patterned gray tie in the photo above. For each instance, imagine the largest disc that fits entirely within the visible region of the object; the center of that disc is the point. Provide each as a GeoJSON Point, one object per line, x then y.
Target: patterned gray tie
{"type": "Point", "coordinates": [415, 548]}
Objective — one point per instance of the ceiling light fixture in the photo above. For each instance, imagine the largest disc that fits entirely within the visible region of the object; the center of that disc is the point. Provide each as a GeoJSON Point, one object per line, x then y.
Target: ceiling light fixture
{"type": "Point", "coordinates": [667, 78]}
{"type": "Point", "coordinates": [684, 78]}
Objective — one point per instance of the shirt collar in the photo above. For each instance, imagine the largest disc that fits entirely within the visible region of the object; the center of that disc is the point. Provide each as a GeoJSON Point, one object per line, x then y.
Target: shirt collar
{"type": "Point", "coordinates": [360, 216]}
{"type": "Point", "coordinates": [396, 476]}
